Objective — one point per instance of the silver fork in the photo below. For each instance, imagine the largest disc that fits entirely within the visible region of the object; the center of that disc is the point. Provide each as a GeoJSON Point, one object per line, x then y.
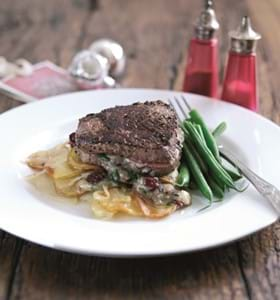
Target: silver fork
{"type": "Point", "coordinates": [267, 190]}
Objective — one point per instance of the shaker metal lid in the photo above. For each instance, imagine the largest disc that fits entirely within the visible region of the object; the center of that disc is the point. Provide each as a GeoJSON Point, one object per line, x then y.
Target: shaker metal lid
{"type": "Point", "coordinates": [244, 39]}
{"type": "Point", "coordinates": [207, 23]}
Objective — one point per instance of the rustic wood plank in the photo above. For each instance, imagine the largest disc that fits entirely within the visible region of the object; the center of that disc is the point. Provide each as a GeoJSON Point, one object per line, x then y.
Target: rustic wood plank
{"type": "Point", "coordinates": [154, 35]}
{"type": "Point", "coordinates": [10, 249]}
{"type": "Point", "coordinates": [50, 274]}
{"type": "Point", "coordinates": [39, 31]}
{"type": "Point", "coordinates": [260, 263]}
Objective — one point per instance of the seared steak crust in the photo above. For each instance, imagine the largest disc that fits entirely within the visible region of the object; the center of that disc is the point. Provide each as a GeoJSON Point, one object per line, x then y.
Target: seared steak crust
{"type": "Point", "coordinates": [146, 133]}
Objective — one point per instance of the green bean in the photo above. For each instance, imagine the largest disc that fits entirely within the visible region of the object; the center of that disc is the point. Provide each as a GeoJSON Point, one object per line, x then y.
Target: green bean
{"type": "Point", "coordinates": [219, 130]}
{"type": "Point", "coordinates": [209, 138]}
{"type": "Point", "coordinates": [233, 174]}
{"type": "Point", "coordinates": [194, 152]}
{"type": "Point", "coordinates": [200, 132]}
{"type": "Point", "coordinates": [208, 156]}
{"type": "Point", "coordinates": [196, 155]}
{"type": "Point", "coordinates": [183, 177]}
{"type": "Point", "coordinates": [219, 182]}
{"type": "Point", "coordinates": [217, 190]}
{"type": "Point", "coordinates": [197, 174]}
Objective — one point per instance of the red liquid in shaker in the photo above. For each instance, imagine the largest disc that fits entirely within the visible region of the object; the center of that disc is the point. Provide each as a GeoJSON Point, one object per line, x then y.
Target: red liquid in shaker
{"type": "Point", "coordinates": [200, 83]}
{"type": "Point", "coordinates": [240, 80]}
{"type": "Point", "coordinates": [201, 76]}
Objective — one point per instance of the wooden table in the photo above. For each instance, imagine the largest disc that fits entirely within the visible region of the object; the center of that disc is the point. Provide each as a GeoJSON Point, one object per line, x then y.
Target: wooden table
{"type": "Point", "coordinates": [155, 35]}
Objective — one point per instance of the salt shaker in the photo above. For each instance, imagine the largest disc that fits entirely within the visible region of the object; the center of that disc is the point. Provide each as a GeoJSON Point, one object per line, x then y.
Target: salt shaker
{"type": "Point", "coordinates": [201, 75]}
{"type": "Point", "coordinates": [240, 85]}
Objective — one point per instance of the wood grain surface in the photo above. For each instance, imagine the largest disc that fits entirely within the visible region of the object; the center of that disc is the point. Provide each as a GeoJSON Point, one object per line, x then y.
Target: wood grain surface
{"type": "Point", "coordinates": [155, 35]}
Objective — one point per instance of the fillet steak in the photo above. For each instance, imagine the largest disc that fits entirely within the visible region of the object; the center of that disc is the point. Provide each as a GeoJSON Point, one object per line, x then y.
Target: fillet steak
{"type": "Point", "coordinates": [143, 137]}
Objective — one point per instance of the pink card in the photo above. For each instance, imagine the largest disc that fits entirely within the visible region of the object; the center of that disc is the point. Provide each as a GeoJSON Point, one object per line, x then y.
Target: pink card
{"type": "Point", "coordinates": [47, 79]}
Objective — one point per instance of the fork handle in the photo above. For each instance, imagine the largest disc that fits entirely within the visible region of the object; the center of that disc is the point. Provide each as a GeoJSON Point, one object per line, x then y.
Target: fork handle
{"type": "Point", "coordinates": [267, 190]}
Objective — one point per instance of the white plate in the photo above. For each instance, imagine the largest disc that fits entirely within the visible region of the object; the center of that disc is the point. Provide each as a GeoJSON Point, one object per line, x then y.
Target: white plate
{"type": "Point", "coordinates": [33, 216]}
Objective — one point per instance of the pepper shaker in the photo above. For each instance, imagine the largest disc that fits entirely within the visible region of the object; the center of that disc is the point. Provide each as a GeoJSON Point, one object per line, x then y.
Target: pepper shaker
{"type": "Point", "coordinates": [240, 85]}
{"type": "Point", "coordinates": [201, 75]}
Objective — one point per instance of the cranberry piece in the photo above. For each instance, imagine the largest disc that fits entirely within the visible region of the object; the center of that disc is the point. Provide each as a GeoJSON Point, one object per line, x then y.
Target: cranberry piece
{"type": "Point", "coordinates": [151, 182]}
{"type": "Point", "coordinates": [72, 139]}
{"type": "Point", "coordinates": [96, 177]}
{"type": "Point", "coordinates": [179, 203]}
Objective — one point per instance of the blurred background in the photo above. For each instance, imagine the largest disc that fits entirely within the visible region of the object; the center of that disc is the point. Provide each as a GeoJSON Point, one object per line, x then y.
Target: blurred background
{"type": "Point", "coordinates": [154, 34]}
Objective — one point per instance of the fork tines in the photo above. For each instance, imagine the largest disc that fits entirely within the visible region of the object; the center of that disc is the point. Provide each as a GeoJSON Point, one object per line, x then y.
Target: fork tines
{"type": "Point", "coordinates": [181, 107]}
